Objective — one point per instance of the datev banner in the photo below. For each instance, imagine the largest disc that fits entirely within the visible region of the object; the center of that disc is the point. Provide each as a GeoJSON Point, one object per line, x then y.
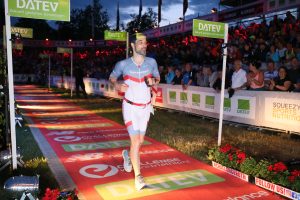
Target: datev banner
{"type": "Point", "coordinates": [114, 35]}
{"type": "Point", "coordinates": [58, 10]}
{"type": "Point", "coordinates": [202, 28]}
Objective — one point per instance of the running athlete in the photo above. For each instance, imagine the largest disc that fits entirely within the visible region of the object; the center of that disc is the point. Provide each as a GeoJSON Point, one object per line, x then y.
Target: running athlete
{"type": "Point", "coordinates": [140, 73]}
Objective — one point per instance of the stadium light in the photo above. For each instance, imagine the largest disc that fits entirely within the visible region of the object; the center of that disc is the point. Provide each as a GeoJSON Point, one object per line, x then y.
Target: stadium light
{"type": "Point", "coordinates": [70, 40]}
{"type": "Point", "coordinates": [91, 39]}
{"type": "Point", "coordinates": [214, 10]}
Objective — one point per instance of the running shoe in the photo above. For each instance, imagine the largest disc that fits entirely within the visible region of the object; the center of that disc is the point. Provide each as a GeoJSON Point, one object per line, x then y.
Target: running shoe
{"type": "Point", "coordinates": [140, 182]}
{"type": "Point", "coordinates": [127, 162]}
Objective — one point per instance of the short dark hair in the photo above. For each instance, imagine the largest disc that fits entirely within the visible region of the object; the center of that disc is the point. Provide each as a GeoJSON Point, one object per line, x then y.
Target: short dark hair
{"type": "Point", "coordinates": [134, 37]}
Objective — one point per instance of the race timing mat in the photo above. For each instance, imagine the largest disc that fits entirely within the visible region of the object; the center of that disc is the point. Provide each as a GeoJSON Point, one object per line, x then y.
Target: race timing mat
{"type": "Point", "coordinates": [84, 151]}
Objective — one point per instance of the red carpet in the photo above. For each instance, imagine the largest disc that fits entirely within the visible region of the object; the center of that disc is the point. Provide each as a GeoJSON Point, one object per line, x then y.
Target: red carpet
{"type": "Point", "coordinates": [84, 151]}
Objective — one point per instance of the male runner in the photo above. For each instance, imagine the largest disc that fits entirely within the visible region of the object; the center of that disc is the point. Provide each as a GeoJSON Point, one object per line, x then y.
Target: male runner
{"type": "Point", "coordinates": [137, 72]}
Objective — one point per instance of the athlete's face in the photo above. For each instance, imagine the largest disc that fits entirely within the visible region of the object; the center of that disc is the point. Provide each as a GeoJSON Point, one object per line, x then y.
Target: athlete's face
{"type": "Point", "coordinates": [140, 46]}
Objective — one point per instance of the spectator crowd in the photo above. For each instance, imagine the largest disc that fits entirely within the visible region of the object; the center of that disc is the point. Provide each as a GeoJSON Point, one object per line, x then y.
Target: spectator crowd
{"type": "Point", "coordinates": [262, 56]}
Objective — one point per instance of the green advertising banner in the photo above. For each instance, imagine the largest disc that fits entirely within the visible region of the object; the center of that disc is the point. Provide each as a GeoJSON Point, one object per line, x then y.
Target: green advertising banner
{"type": "Point", "coordinates": [58, 10]}
{"type": "Point", "coordinates": [25, 32]}
{"type": "Point", "coordinates": [114, 35]}
{"type": "Point", "coordinates": [208, 29]}
{"type": "Point", "coordinates": [64, 50]}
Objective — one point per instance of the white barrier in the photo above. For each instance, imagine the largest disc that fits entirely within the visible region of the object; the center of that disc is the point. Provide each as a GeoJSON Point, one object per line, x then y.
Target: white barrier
{"type": "Point", "coordinates": [24, 78]}
{"type": "Point", "coordinates": [279, 110]}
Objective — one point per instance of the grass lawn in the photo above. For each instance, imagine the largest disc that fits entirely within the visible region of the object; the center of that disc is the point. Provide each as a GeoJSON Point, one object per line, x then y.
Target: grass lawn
{"type": "Point", "coordinates": [35, 164]}
{"type": "Point", "coordinates": [194, 135]}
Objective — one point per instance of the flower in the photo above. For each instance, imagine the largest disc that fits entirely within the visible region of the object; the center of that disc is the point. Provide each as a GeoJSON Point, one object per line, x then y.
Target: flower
{"type": "Point", "coordinates": [241, 156]}
{"type": "Point", "coordinates": [277, 172]}
{"type": "Point", "coordinates": [226, 148]}
{"type": "Point", "coordinates": [56, 194]}
{"type": "Point", "coordinates": [279, 167]}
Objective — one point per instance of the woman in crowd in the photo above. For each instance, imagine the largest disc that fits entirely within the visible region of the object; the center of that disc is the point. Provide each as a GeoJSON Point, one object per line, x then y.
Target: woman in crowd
{"type": "Point", "coordinates": [255, 78]}
{"type": "Point", "coordinates": [282, 82]}
{"type": "Point", "coordinates": [177, 78]}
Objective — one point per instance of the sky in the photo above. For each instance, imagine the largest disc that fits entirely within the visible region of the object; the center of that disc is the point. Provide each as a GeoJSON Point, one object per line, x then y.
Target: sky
{"type": "Point", "coordinates": [171, 9]}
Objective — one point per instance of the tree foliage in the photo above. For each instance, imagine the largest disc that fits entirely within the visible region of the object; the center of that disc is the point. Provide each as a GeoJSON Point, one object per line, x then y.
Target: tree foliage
{"type": "Point", "coordinates": [148, 21]}
{"type": "Point", "coordinates": [80, 26]}
{"type": "Point", "coordinates": [41, 29]}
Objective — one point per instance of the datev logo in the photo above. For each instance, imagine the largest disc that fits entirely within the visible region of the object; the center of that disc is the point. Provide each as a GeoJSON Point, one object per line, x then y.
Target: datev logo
{"type": "Point", "coordinates": [104, 170]}
{"type": "Point", "coordinates": [209, 102]}
{"type": "Point", "coordinates": [172, 96]}
{"type": "Point", "coordinates": [157, 184]}
{"type": "Point", "coordinates": [183, 98]}
{"type": "Point", "coordinates": [243, 106]}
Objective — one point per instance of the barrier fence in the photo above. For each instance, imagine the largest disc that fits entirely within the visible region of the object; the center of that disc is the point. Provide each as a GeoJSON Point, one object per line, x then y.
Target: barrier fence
{"type": "Point", "coordinates": [267, 109]}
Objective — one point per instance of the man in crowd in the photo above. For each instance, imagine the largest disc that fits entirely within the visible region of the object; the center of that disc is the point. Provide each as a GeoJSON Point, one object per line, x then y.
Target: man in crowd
{"type": "Point", "coordinates": [188, 77]}
{"type": "Point", "coordinates": [137, 73]}
{"type": "Point", "coordinates": [270, 74]}
{"type": "Point", "coordinates": [238, 79]}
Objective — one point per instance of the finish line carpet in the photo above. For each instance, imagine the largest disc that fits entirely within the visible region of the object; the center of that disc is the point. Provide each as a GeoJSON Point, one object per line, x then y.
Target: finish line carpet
{"type": "Point", "coordinates": [84, 152]}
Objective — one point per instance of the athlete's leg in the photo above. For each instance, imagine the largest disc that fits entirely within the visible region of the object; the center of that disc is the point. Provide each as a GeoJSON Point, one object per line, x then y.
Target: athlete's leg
{"type": "Point", "coordinates": [135, 152]}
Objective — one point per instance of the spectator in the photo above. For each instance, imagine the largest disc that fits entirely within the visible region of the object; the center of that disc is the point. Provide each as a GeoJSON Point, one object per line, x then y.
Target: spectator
{"type": "Point", "coordinates": [162, 74]}
{"type": "Point", "coordinates": [255, 78]}
{"type": "Point", "coordinates": [261, 53]}
{"type": "Point", "coordinates": [270, 74]}
{"type": "Point", "coordinates": [212, 76]}
{"type": "Point", "coordinates": [218, 83]}
{"type": "Point", "coordinates": [282, 82]}
{"type": "Point", "coordinates": [281, 50]}
{"type": "Point", "coordinates": [170, 75]}
{"type": "Point", "coordinates": [289, 53]}
{"type": "Point", "coordinates": [177, 78]}
{"type": "Point", "coordinates": [294, 72]}
{"type": "Point", "coordinates": [188, 77]}
{"type": "Point", "coordinates": [239, 78]}
{"type": "Point", "coordinates": [297, 86]}
{"type": "Point", "coordinates": [247, 54]}
{"type": "Point", "coordinates": [273, 55]}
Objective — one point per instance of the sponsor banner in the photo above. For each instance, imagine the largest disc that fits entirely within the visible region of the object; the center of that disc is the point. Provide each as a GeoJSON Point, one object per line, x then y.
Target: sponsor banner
{"type": "Point", "coordinates": [277, 189]}
{"type": "Point", "coordinates": [114, 35]}
{"type": "Point", "coordinates": [58, 10]}
{"type": "Point", "coordinates": [283, 111]}
{"type": "Point", "coordinates": [203, 28]}
{"type": "Point", "coordinates": [157, 184]}
{"type": "Point", "coordinates": [25, 32]}
{"type": "Point", "coordinates": [64, 50]}
{"type": "Point", "coordinates": [233, 172]}
{"type": "Point", "coordinates": [159, 96]}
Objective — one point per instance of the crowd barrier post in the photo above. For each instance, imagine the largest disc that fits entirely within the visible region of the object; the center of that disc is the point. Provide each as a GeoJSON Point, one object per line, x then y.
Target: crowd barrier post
{"type": "Point", "coordinates": [10, 87]}
{"type": "Point", "coordinates": [49, 72]}
{"type": "Point", "coordinates": [223, 85]}
{"type": "Point", "coordinates": [71, 83]}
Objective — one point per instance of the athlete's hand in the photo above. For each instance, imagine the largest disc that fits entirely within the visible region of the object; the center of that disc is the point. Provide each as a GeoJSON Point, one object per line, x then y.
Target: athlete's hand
{"type": "Point", "coordinates": [149, 82]}
{"type": "Point", "coordinates": [121, 87]}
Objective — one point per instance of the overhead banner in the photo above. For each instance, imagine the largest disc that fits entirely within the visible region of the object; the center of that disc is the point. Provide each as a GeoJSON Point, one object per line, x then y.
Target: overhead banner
{"type": "Point", "coordinates": [203, 28]}
{"type": "Point", "coordinates": [58, 10]}
{"type": "Point", "coordinates": [64, 50]}
{"type": "Point", "coordinates": [114, 35]}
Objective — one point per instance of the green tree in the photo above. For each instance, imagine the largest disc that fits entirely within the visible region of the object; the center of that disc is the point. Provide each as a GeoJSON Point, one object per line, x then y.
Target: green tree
{"type": "Point", "coordinates": [84, 22]}
{"type": "Point", "coordinates": [147, 21]}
